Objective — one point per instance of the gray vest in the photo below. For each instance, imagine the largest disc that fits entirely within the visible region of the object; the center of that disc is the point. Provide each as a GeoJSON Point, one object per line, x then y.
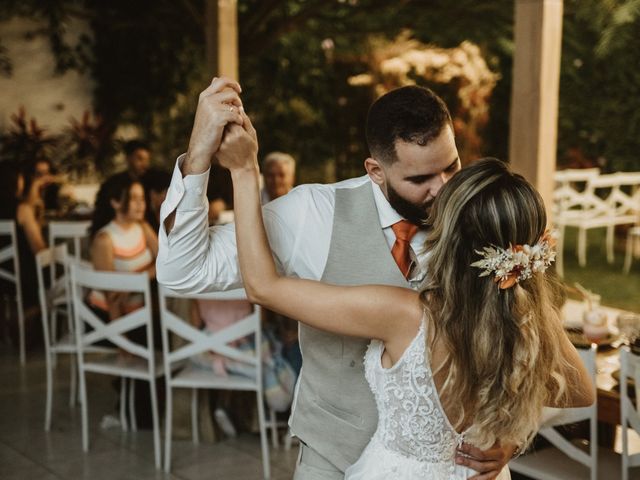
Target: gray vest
{"type": "Point", "coordinates": [335, 412]}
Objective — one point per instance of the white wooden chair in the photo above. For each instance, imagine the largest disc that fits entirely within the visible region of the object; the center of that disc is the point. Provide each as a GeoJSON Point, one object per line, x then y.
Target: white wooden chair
{"type": "Point", "coordinates": [196, 378]}
{"type": "Point", "coordinates": [141, 365]}
{"type": "Point", "coordinates": [603, 204]}
{"type": "Point", "coordinates": [564, 459]}
{"type": "Point", "coordinates": [72, 231]}
{"type": "Point", "coordinates": [569, 200]}
{"type": "Point", "coordinates": [629, 413]}
{"type": "Point", "coordinates": [633, 236]}
{"type": "Point", "coordinates": [50, 298]}
{"type": "Point", "coordinates": [12, 275]}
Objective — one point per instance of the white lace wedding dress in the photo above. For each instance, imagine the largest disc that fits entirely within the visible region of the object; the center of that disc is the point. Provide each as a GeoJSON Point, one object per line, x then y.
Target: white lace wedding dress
{"type": "Point", "coordinates": [414, 439]}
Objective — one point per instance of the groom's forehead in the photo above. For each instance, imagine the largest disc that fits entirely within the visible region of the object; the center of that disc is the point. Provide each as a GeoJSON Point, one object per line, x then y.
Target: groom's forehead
{"type": "Point", "coordinates": [419, 161]}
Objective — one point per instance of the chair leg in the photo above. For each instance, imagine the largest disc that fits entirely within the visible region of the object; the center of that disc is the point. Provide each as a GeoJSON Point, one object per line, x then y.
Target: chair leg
{"type": "Point", "coordinates": [195, 431]}
{"type": "Point", "coordinates": [84, 410]}
{"type": "Point", "coordinates": [132, 405]}
{"type": "Point", "coordinates": [49, 406]}
{"type": "Point", "coordinates": [628, 254]}
{"type": "Point", "coordinates": [156, 424]}
{"type": "Point", "coordinates": [73, 382]}
{"type": "Point", "coordinates": [560, 253]}
{"type": "Point", "coordinates": [168, 428]}
{"type": "Point", "coordinates": [21, 336]}
{"type": "Point", "coordinates": [610, 252]}
{"type": "Point", "coordinates": [582, 247]}
{"type": "Point", "coordinates": [123, 404]}
{"type": "Point", "coordinates": [54, 335]}
{"type": "Point", "coordinates": [274, 428]}
{"type": "Point", "coordinates": [266, 466]}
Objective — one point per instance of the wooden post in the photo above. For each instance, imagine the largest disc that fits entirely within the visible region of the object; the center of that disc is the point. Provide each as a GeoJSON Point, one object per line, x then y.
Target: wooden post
{"type": "Point", "coordinates": [221, 33]}
{"type": "Point", "coordinates": [534, 97]}
{"type": "Point", "coordinates": [211, 36]}
{"type": "Point", "coordinates": [228, 37]}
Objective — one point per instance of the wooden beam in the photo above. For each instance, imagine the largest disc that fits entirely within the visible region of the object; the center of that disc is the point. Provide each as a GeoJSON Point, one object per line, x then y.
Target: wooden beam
{"type": "Point", "coordinates": [228, 38]}
{"type": "Point", "coordinates": [534, 97]}
{"type": "Point", "coordinates": [221, 36]}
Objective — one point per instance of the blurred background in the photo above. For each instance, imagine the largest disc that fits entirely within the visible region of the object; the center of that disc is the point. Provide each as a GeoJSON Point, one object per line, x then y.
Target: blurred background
{"type": "Point", "coordinates": [79, 78]}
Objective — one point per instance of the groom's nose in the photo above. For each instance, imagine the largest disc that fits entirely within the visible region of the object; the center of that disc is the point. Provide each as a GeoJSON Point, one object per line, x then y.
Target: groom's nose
{"type": "Point", "coordinates": [437, 182]}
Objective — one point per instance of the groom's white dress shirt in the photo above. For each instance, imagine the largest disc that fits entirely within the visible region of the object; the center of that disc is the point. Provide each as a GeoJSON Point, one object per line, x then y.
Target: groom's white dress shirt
{"type": "Point", "coordinates": [195, 259]}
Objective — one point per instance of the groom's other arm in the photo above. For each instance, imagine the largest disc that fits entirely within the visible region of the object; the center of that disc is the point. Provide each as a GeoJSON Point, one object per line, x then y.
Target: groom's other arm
{"type": "Point", "coordinates": [196, 258]}
{"type": "Point", "coordinates": [488, 463]}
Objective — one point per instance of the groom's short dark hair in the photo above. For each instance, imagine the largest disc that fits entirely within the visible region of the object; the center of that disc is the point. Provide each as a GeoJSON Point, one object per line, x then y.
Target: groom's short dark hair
{"type": "Point", "coordinates": [412, 114]}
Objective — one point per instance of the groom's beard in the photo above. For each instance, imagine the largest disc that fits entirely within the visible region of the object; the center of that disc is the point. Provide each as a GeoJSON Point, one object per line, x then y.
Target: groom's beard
{"type": "Point", "coordinates": [416, 214]}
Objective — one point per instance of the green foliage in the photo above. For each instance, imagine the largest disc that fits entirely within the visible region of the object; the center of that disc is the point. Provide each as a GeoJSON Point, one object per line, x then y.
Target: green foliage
{"type": "Point", "coordinates": [600, 83]}
{"type": "Point", "coordinates": [148, 60]}
{"type": "Point", "coordinates": [25, 140]}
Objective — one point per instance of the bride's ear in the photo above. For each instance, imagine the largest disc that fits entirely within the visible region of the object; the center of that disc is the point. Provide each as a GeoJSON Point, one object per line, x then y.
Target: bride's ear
{"type": "Point", "coordinates": [375, 171]}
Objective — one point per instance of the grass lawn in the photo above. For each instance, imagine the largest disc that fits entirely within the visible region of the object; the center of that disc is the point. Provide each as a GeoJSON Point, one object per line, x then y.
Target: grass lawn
{"type": "Point", "coordinates": [617, 289]}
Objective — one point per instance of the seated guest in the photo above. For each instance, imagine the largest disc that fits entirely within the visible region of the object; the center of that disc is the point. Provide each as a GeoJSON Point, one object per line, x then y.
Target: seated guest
{"type": "Point", "coordinates": [26, 208]}
{"type": "Point", "coordinates": [279, 173]}
{"type": "Point", "coordinates": [155, 182]}
{"type": "Point", "coordinates": [121, 241]}
{"type": "Point", "coordinates": [38, 170]}
{"type": "Point", "coordinates": [138, 157]}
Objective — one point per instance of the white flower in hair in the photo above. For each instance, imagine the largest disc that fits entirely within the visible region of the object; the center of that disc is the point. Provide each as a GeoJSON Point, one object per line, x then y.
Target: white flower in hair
{"type": "Point", "coordinates": [518, 262]}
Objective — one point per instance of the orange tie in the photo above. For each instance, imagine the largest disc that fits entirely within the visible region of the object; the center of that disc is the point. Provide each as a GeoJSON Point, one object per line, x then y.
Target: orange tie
{"type": "Point", "coordinates": [404, 231]}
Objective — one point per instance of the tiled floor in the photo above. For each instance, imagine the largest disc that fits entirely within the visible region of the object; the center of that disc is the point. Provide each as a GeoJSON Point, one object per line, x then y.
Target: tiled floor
{"type": "Point", "coordinates": [27, 452]}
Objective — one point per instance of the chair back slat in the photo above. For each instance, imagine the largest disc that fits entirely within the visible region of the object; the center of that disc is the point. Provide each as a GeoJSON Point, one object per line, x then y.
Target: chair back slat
{"type": "Point", "coordinates": [74, 231]}
{"type": "Point", "coordinates": [566, 416]}
{"type": "Point", "coordinates": [10, 253]}
{"type": "Point", "coordinates": [114, 331]}
{"type": "Point", "coordinates": [7, 253]}
{"type": "Point", "coordinates": [629, 412]}
{"type": "Point", "coordinates": [58, 289]}
{"type": "Point", "coordinates": [112, 281]}
{"type": "Point", "coordinates": [197, 341]}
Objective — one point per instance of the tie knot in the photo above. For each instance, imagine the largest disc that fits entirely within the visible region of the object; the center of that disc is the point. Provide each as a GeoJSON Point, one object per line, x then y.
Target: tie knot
{"type": "Point", "coordinates": [404, 230]}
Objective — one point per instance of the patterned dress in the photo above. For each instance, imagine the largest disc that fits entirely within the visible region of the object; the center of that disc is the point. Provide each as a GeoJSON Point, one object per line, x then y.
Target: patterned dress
{"type": "Point", "coordinates": [414, 439]}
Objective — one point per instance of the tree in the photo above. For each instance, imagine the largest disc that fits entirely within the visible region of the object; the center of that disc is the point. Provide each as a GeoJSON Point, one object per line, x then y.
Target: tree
{"type": "Point", "coordinates": [296, 56]}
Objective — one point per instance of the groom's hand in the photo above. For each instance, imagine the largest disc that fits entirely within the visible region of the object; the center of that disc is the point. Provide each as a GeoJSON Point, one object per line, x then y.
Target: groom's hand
{"type": "Point", "coordinates": [488, 463]}
{"type": "Point", "coordinates": [218, 105]}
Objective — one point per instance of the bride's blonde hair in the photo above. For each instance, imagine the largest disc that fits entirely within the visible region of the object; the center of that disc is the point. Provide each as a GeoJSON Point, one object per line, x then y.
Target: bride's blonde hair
{"type": "Point", "coordinates": [502, 359]}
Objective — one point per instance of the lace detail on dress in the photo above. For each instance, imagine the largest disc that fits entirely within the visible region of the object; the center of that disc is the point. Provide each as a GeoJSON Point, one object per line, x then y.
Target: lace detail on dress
{"type": "Point", "coordinates": [414, 439]}
{"type": "Point", "coordinates": [411, 419]}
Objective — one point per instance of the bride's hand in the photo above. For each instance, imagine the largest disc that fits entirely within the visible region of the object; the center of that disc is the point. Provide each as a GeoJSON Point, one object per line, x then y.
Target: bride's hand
{"type": "Point", "coordinates": [239, 147]}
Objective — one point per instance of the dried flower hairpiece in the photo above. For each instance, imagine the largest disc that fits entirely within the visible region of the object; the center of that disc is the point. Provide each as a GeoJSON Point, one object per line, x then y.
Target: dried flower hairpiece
{"type": "Point", "coordinates": [518, 262]}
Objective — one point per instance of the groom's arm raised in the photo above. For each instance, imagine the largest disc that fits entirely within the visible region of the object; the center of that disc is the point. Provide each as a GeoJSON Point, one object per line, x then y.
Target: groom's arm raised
{"type": "Point", "coordinates": [192, 257]}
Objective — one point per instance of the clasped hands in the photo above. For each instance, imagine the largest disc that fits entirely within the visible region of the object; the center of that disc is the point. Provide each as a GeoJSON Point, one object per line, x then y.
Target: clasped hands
{"type": "Point", "coordinates": [222, 130]}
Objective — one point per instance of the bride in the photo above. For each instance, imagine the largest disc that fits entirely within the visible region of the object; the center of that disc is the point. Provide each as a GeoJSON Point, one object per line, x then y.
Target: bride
{"type": "Point", "coordinates": [474, 356]}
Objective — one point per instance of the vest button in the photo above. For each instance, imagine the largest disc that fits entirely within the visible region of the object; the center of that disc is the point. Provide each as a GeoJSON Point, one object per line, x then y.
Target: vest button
{"type": "Point", "coordinates": [352, 364]}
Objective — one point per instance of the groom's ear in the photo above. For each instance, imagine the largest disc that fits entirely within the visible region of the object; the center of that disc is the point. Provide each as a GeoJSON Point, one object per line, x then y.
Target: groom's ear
{"type": "Point", "coordinates": [375, 171]}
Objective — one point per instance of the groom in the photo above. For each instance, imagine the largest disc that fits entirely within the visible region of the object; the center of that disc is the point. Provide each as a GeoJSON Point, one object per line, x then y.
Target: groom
{"type": "Point", "coordinates": [360, 231]}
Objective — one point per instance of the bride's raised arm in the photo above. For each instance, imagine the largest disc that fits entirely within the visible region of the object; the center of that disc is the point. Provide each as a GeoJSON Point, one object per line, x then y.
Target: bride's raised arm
{"type": "Point", "coordinates": [371, 311]}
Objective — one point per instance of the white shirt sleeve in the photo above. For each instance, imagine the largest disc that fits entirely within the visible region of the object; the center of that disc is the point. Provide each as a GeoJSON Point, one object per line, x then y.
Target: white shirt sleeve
{"type": "Point", "coordinates": [196, 258]}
